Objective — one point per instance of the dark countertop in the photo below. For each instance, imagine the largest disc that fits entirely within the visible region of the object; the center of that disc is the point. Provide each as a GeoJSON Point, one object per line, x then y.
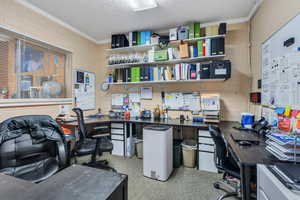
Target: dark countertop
{"type": "Point", "coordinates": [75, 182]}
{"type": "Point", "coordinates": [12, 188]}
{"type": "Point", "coordinates": [171, 122]}
{"type": "Point", "coordinates": [249, 155]}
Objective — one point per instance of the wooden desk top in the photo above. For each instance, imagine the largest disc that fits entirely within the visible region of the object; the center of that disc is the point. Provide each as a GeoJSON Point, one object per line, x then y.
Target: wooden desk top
{"type": "Point", "coordinates": [248, 155]}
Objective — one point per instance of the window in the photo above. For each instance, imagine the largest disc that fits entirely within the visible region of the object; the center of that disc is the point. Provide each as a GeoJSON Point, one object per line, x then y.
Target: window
{"type": "Point", "coordinates": [32, 70]}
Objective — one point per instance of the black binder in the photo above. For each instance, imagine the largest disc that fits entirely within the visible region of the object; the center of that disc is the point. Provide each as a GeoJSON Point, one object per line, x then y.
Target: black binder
{"type": "Point", "coordinates": [113, 41]}
{"type": "Point", "coordinates": [221, 46]}
{"type": "Point", "coordinates": [205, 71]}
{"type": "Point", "coordinates": [134, 38]}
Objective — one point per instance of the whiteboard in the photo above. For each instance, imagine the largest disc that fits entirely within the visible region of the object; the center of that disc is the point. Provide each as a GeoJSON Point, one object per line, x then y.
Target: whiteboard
{"type": "Point", "coordinates": [281, 67]}
{"type": "Point", "coordinates": [84, 90]}
{"type": "Point", "coordinates": [183, 101]}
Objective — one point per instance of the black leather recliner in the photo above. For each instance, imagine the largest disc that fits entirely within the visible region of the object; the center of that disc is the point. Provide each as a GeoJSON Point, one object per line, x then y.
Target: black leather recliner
{"type": "Point", "coordinates": [32, 147]}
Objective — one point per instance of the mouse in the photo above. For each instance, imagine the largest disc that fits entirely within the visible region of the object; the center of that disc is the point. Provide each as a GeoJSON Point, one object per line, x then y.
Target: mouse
{"type": "Point", "coordinates": [245, 143]}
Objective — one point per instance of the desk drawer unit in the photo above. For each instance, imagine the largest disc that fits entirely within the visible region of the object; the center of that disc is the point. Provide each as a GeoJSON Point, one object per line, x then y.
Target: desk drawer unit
{"type": "Point", "coordinates": [118, 139]}
{"type": "Point", "coordinates": [206, 152]}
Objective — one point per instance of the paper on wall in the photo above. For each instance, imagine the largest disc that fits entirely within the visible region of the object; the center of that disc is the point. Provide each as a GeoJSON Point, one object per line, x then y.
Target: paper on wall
{"type": "Point", "coordinates": [146, 92]}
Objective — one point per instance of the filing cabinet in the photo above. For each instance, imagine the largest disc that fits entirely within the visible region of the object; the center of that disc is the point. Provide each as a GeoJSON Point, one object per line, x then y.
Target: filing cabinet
{"type": "Point", "coordinates": [206, 151]}
{"type": "Point", "coordinates": [118, 136]}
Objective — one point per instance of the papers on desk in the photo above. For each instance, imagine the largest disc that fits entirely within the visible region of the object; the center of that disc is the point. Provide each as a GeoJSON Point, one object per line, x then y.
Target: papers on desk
{"type": "Point", "coordinates": [284, 147]}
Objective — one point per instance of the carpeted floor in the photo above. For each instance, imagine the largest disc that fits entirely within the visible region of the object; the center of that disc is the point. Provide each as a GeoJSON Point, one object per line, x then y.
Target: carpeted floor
{"type": "Point", "coordinates": [184, 183]}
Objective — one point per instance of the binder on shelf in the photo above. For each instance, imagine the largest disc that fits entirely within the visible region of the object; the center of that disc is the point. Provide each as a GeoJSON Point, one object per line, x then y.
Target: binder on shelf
{"type": "Point", "coordinates": [204, 48]}
{"type": "Point", "coordinates": [128, 74]}
{"type": "Point", "coordinates": [203, 32]}
{"type": "Point", "coordinates": [148, 37]}
{"type": "Point", "coordinates": [134, 38]}
{"type": "Point", "coordinates": [113, 41]}
{"type": "Point", "coordinates": [205, 71]}
{"type": "Point", "coordinates": [139, 38]}
{"type": "Point", "coordinates": [221, 46]}
{"type": "Point", "coordinates": [200, 47]}
{"type": "Point", "coordinates": [197, 30]}
{"type": "Point", "coordinates": [191, 30]}
{"type": "Point", "coordinates": [222, 29]}
{"type": "Point", "coordinates": [214, 46]}
{"type": "Point", "coordinates": [130, 38]}
{"type": "Point", "coordinates": [208, 47]}
{"type": "Point", "coordinates": [143, 38]}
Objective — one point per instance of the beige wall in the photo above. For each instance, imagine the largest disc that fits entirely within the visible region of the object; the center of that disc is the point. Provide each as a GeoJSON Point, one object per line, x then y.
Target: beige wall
{"type": "Point", "coordinates": [271, 15]}
{"type": "Point", "coordinates": [91, 57]}
{"type": "Point", "coordinates": [86, 54]}
{"type": "Point", "coordinates": [234, 92]}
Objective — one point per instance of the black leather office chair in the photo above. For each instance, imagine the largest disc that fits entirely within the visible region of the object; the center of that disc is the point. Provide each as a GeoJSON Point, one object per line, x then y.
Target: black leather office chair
{"type": "Point", "coordinates": [91, 145]}
{"type": "Point", "coordinates": [31, 147]}
{"type": "Point", "coordinates": [225, 164]}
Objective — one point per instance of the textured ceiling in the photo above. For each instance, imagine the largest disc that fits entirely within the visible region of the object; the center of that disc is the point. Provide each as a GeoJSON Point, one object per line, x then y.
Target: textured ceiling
{"type": "Point", "coordinates": [98, 19]}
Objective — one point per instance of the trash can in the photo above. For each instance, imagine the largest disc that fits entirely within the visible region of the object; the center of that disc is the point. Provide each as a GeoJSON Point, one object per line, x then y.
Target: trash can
{"type": "Point", "coordinates": [177, 153]}
{"type": "Point", "coordinates": [189, 148]}
{"type": "Point", "coordinates": [139, 149]}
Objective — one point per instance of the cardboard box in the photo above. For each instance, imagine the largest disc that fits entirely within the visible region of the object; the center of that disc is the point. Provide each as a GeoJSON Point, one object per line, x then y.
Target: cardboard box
{"type": "Point", "coordinates": [184, 50]}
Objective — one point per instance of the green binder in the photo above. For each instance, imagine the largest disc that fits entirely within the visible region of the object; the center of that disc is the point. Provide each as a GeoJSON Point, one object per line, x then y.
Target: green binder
{"type": "Point", "coordinates": [200, 48]}
{"type": "Point", "coordinates": [197, 29]}
{"type": "Point", "coordinates": [191, 30]}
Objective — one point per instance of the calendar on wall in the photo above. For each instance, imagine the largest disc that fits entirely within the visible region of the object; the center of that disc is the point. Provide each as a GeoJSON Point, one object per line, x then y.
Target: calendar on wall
{"type": "Point", "coordinates": [84, 90]}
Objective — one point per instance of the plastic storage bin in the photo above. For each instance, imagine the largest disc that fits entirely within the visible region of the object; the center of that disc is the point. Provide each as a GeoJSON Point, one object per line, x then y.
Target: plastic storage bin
{"type": "Point", "coordinates": [189, 148]}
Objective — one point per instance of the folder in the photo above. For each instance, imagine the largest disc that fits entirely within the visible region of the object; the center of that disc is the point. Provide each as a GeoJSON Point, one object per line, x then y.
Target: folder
{"type": "Point", "coordinates": [148, 37]}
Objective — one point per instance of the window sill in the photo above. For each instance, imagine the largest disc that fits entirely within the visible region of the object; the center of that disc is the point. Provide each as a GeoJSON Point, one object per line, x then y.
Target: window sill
{"type": "Point", "coordinates": [5, 103]}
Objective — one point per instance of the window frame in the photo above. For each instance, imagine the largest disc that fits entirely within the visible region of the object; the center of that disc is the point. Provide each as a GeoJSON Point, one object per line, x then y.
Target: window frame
{"type": "Point", "coordinates": [41, 101]}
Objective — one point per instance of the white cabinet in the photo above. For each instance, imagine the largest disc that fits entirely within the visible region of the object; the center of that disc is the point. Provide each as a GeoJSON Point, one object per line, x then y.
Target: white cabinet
{"type": "Point", "coordinates": [270, 188]}
{"type": "Point", "coordinates": [118, 139]}
{"type": "Point", "coordinates": [206, 152]}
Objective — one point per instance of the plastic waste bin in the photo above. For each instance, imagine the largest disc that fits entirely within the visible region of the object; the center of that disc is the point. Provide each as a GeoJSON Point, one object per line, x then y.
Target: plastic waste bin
{"type": "Point", "coordinates": [189, 148]}
{"type": "Point", "coordinates": [177, 153]}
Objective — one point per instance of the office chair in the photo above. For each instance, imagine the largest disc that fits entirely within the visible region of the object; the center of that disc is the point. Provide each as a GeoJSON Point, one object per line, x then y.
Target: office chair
{"type": "Point", "coordinates": [90, 145]}
{"type": "Point", "coordinates": [32, 147]}
{"type": "Point", "coordinates": [225, 164]}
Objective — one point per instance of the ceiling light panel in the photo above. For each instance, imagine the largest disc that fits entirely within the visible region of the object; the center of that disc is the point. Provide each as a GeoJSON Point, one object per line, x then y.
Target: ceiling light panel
{"type": "Point", "coordinates": [141, 5]}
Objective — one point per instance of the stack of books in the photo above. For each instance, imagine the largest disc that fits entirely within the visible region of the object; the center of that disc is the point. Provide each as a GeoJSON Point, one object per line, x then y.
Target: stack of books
{"type": "Point", "coordinates": [283, 146]}
{"type": "Point", "coordinates": [165, 73]}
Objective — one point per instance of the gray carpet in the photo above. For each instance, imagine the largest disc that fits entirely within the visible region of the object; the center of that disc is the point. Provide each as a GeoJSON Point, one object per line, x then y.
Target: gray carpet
{"type": "Point", "coordinates": [184, 183]}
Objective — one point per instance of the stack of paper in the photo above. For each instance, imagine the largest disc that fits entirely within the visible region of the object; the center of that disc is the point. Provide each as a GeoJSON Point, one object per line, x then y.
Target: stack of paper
{"type": "Point", "coordinates": [284, 147]}
{"type": "Point", "coordinates": [211, 116]}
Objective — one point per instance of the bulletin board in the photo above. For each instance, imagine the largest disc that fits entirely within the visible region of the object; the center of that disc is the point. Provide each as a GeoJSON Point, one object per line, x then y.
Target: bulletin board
{"type": "Point", "coordinates": [183, 101]}
{"type": "Point", "coordinates": [84, 89]}
{"type": "Point", "coordinates": [281, 67]}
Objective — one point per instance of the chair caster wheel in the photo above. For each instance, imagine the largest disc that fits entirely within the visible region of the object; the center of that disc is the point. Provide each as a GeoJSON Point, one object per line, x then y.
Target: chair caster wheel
{"type": "Point", "coordinates": [216, 185]}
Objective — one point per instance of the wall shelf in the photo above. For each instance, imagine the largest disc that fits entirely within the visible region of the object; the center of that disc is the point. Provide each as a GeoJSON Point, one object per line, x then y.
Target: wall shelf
{"type": "Point", "coordinates": [175, 61]}
{"type": "Point", "coordinates": [148, 47]}
{"type": "Point", "coordinates": [172, 81]}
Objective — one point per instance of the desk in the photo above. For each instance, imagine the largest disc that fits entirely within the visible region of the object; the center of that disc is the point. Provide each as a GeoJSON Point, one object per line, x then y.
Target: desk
{"type": "Point", "coordinates": [76, 183]}
{"type": "Point", "coordinates": [247, 156]}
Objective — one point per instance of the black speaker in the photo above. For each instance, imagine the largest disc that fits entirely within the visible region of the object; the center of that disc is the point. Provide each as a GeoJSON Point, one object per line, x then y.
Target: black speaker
{"type": "Point", "coordinates": [222, 29]}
